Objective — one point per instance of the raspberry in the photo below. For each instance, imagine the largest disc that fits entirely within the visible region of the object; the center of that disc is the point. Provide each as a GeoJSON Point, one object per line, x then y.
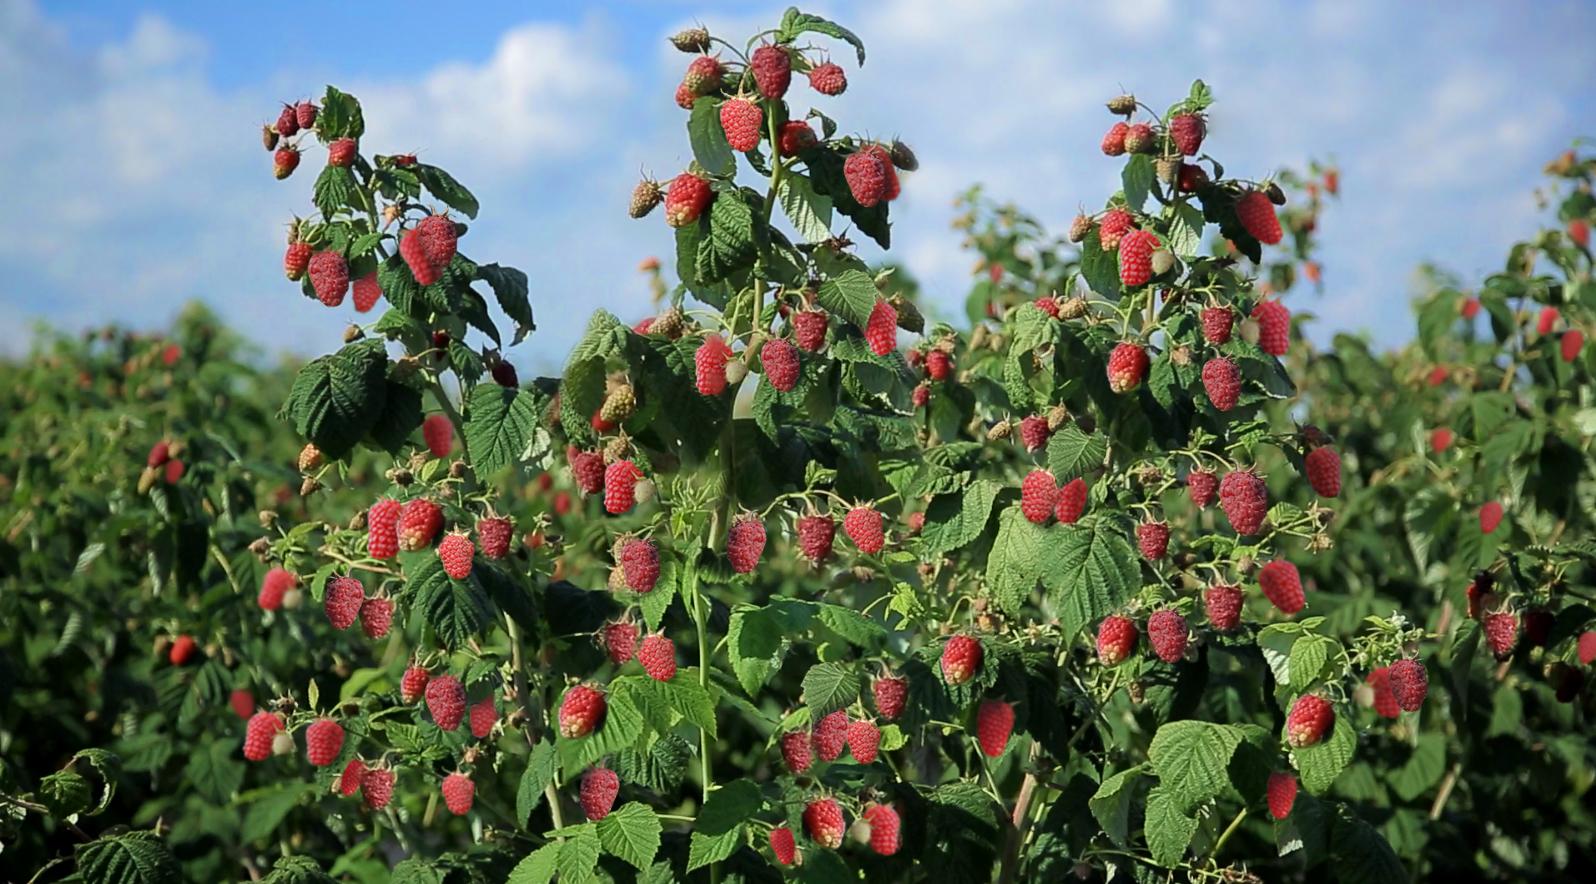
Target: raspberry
{"type": "Point", "coordinates": [1440, 440]}
{"type": "Point", "coordinates": [1034, 432]}
{"type": "Point", "coordinates": [382, 528]}
{"type": "Point", "coordinates": [1501, 633]}
{"type": "Point", "coordinates": [1139, 138]}
{"type": "Point", "coordinates": [446, 700]}
{"type": "Point", "coordinates": [1579, 232]}
{"type": "Point", "coordinates": [938, 365]}
{"type": "Point", "coordinates": [745, 542]}
{"type": "Point", "coordinates": [881, 332]}
{"type": "Point", "coordinates": [587, 469]}
{"type": "Point", "coordinates": [277, 582]}
{"type": "Point", "coordinates": [484, 715]}
{"type": "Point", "coordinates": [645, 196]}
{"type": "Point", "coordinates": [439, 435]}
{"type": "Point", "coordinates": [1038, 496]}
{"type": "Point", "coordinates": [1152, 538]}
{"type": "Point", "coordinates": [866, 173]}
{"type": "Point", "coordinates": [796, 751]}
{"type": "Point", "coordinates": [285, 161]}
{"type": "Point", "coordinates": [1222, 382]}
{"type": "Point", "coordinates": [413, 251]}
{"type": "Point", "coordinates": [961, 659]}
{"type": "Point", "coordinates": [1114, 225]}
{"type": "Point", "coordinates": [174, 471]}
{"type": "Point", "coordinates": [780, 360]}
{"type": "Point", "coordinates": [342, 601]}
{"type": "Point", "coordinates": [1470, 308]}
{"type": "Point", "coordinates": [160, 453]}
{"type": "Point", "coordinates": [305, 114]}
{"type": "Point", "coordinates": [455, 552]}
{"type": "Point", "coordinates": [376, 787]}
{"type": "Point", "coordinates": [743, 122]}
{"type": "Point", "coordinates": [828, 78]}
{"type": "Point", "coordinates": [439, 239]}
{"type": "Point", "coordinates": [1047, 305]}
{"type": "Point", "coordinates": [640, 564]}
{"type": "Point", "coordinates": [1217, 322]}
{"type": "Point", "coordinates": [367, 292]}
{"type": "Point", "coordinates": [243, 703]}
{"type": "Point", "coordinates": [1323, 466]}
{"type": "Point", "coordinates": [1223, 606]}
{"type": "Point", "coordinates": [1114, 139]}
{"type": "Point", "coordinates": [686, 199]}
{"type": "Point", "coordinates": [772, 70]}
{"type": "Point", "coordinates": [1200, 486]}
{"type": "Point", "coordinates": [815, 535]}
{"type": "Point", "coordinates": [1479, 593]}
{"type": "Point", "coordinates": [794, 137]}
{"type": "Point", "coordinates": [864, 741]}
{"type": "Point", "coordinates": [823, 821]}
{"type": "Point", "coordinates": [1309, 720]}
{"type": "Point", "coordinates": [182, 650]}
{"type": "Point", "coordinates": [494, 533]}
{"type": "Point", "coordinates": [831, 735]}
{"type": "Point", "coordinates": [1245, 500]}
{"type": "Point", "coordinates": [994, 721]}
{"type": "Point", "coordinates": [1187, 131]}
{"type": "Point", "coordinates": [619, 640]}
{"type": "Point", "coordinates": [323, 740]}
{"type": "Point", "coordinates": [1136, 257]}
{"type": "Point", "coordinates": [349, 780]}
{"type": "Point", "coordinates": [1281, 793]}
{"type": "Point", "coordinates": [809, 329]}
{"type": "Point", "coordinates": [885, 828]}
{"type": "Point", "coordinates": [582, 711]}
{"type": "Point", "coordinates": [703, 75]}
{"type": "Point", "coordinates": [891, 695]}
{"type": "Point", "coordinates": [1410, 683]}
{"type": "Point", "coordinates": [783, 845]}
{"type": "Point", "coordinates": [287, 122]}
{"type": "Point", "coordinates": [1116, 638]}
{"type": "Point", "coordinates": [1573, 341]}
{"type": "Point", "coordinates": [658, 656]}
{"type": "Point", "coordinates": [419, 522]}
{"type": "Point", "coordinates": [258, 734]}
{"type": "Point", "coordinates": [597, 793]}
{"type": "Point", "coordinates": [458, 793]}
{"type": "Point", "coordinates": [414, 684]}
{"type": "Point", "coordinates": [620, 486]}
{"type": "Point", "coordinates": [863, 525]}
{"type": "Point", "coordinates": [1071, 502]}
{"type": "Point", "coordinates": [1166, 632]}
{"type": "Point", "coordinates": [1274, 327]}
{"type": "Point", "coordinates": [1490, 516]}
{"type": "Point", "coordinates": [1191, 178]}
{"type": "Point", "coordinates": [1385, 702]}
{"type": "Point", "coordinates": [504, 375]}
{"type": "Point", "coordinates": [329, 276]}
{"type": "Point", "coordinates": [1438, 376]}
{"type": "Point", "coordinates": [1281, 585]}
{"type": "Point", "coordinates": [1587, 647]}
{"type": "Point", "coordinates": [1127, 365]}
{"type": "Point", "coordinates": [341, 152]}
{"type": "Point", "coordinates": [376, 617]}
{"type": "Point", "coordinates": [709, 361]}
{"type": "Point", "coordinates": [1544, 323]}
{"type": "Point", "coordinates": [1257, 217]}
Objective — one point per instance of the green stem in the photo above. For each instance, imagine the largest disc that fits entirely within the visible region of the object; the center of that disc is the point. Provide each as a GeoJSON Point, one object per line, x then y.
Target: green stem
{"type": "Point", "coordinates": [1229, 830]}
{"type": "Point", "coordinates": [701, 622]}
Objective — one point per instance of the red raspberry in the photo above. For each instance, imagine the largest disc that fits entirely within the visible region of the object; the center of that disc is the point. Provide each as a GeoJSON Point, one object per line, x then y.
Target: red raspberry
{"type": "Point", "coordinates": [794, 137]}
{"type": "Point", "coordinates": [439, 435]}
{"type": "Point", "coordinates": [866, 173]}
{"type": "Point", "coordinates": [349, 780]}
{"type": "Point", "coordinates": [587, 469]}
{"type": "Point", "coordinates": [1440, 440]}
{"type": "Point", "coordinates": [863, 525]}
{"type": "Point", "coordinates": [1586, 647]}
{"type": "Point", "coordinates": [504, 375]}
{"type": "Point", "coordinates": [1034, 432]}
{"type": "Point", "coordinates": [1245, 500]}
{"type": "Point", "coordinates": [1281, 585]}
{"type": "Point", "coordinates": [597, 794]}
{"type": "Point", "coordinates": [1222, 604]}
{"type": "Point", "coordinates": [414, 683]}
{"type": "Point", "coordinates": [1438, 376]}
{"type": "Point", "coordinates": [1114, 140]}
{"type": "Point", "coordinates": [262, 728]}
{"type": "Point", "coordinates": [1187, 131]}
{"type": "Point", "coordinates": [1257, 217]}
{"type": "Point", "coordinates": [285, 161]}
{"type": "Point", "coordinates": [323, 740]}
{"type": "Point", "coordinates": [1201, 486]}
{"type": "Point", "coordinates": [687, 198]}
{"type": "Point", "coordinates": [1116, 638]}
{"type": "Point", "coordinates": [620, 486]}
{"type": "Point", "coordinates": [828, 78]}
{"type": "Point", "coordinates": [484, 715]}
{"type": "Point", "coordinates": [1309, 720]}
{"type": "Point", "coordinates": [1501, 633]}
{"type": "Point", "coordinates": [413, 250]}
{"type": "Point", "coordinates": [1544, 323]}
{"type": "Point", "coordinates": [685, 97]}
{"type": "Point", "coordinates": [1191, 178]}
{"type": "Point", "coordinates": [1038, 496]}
{"type": "Point", "coordinates": [938, 365]}
{"type": "Point", "coordinates": [885, 828]}
{"type": "Point", "coordinates": [743, 123]}
{"type": "Point", "coordinates": [1127, 365]}
{"type": "Point", "coordinates": [1136, 257]}
{"type": "Point", "coordinates": [961, 659]}
{"type": "Point", "coordinates": [815, 535]}
{"type": "Point", "coordinates": [1479, 593]}
{"type": "Point", "coordinates": [439, 239]}
{"type": "Point", "coordinates": [341, 152]}
{"type": "Point", "coordinates": [243, 703]}
{"type": "Point", "coordinates": [1222, 382]}
{"type": "Point", "coordinates": [772, 70]}
{"type": "Point", "coordinates": [1385, 703]}
{"type": "Point", "coordinates": [329, 276]}
{"type": "Point", "coordinates": [1579, 232]}
{"type": "Point", "coordinates": [1139, 138]}
{"type": "Point", "coordinates": [1410, 683]}
{"type": "Point", "coordinates": [376, 617]}
{"type": "Point", "coordinates": [458, 793]}
{"type": "Point", "coordinates": [864, 741]}
{"type": "Point", "coordinates": [994, 721]}
{"type": "Point", "coordinates": [797, 751]}
{"type": "Point", "coordinates": [342, 601]}
{"type": "Point", "coordinates": [885, 156]}
{"type": "Point", "coordinates": [1282, 794]}
{"type": "Point", "coordinates": [1114, 225]}
{"type": "Point", "coordinates": [1470, 308]}
{"type": "Point", "coordinates": [382, 528]}
{"type": "Point", "coordinates": [455, 551]}
{"type": "Point", "coordinates": [783, 845]}
{"type": "Point", "coordinates": [881, 332]}
{"type": "Point", "coordinates": [295, 262]}
{"type": "Point", "coordinates": [809, 329]}
{"type": "Point", "coordinates": [640, 564]}
{"type": "Point", "coordinates": [376, 787]}
{"type": "Point", "coordinates": [287, 122]}
{"type": "Point", "coordinates": [305, 114]}
{"type": "Point", "coordinates": [174, 471]}
{"type": "Point", "coordinates": [1071, 502]}
{"type": "Point", "coordinates": [1217, 322]}
{"type": "Point", "coordinates": [658, 656]}
{"type": "Point", "coordinates": [619, 640]}
{"type": "Point", "coordinates": [367, 292]}
{"type": "Point", "coordinates": [745, 543]}
{"type": "Point", "coordinates": [1166, 632]}
{"type": "Point", "coordinates": [1152, 538]}
{"type": "Point", "coordinates": [1323, 466]}
{"type": "Point", "coordinates": [823, 821]}
{"type": "Point", "coordinates": [1490, 516]}
{"type": "Point", "coordinates": [891, 694]}
{"type": "Point", "coordinates": [1274, 327]}
{"type": "Point", "coordinates": [1047, 305]}
{"type": "Point", "coordinates": [446, 700]}
{"type": "Point", "coordinates": [780, 360]}
{"type": "Point", "coordinates": [160, 453]}
{"type": "Point", "coordinates": [277, 582]}
{"type": "Point", "coordinates": [703, 75]}
{"type": "Point", "coordinates": [831, 735]}
{"type": "Point", "coordinates": [419, 522]}
{"type": "Point", "coordinates": [710, 363]}
{"type": "Point", "coordinates": [494, 534]}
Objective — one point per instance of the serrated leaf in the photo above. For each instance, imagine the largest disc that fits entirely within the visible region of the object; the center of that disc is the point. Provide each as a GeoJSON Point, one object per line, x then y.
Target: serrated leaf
{"type": "Point", "coordinates": [1322, 762]}
{"type": "Point", "coordinates": [540, 767]}
{"type": "Point", "coordinates": [131, 858]}
{"type": "Point", "coordinates": [510, 289]}
{"type": "Point", "coordinates": [1111, 804]}
{"type": "Point", "coordinates": [828, 687]}
{"type": "Point", "coordinates": [795, 23]}
{"type": "Point", "coordinates": [1422, 770]}
{"type": "Point", "coordinates": [267, 811]}
{"type": "Point", "coordinates": [212, 771]}
{"type": "Point", "coordinates": [334, 186]}
{"type": "Point", "coordinates": [708, 139]}
{"type": "Point", "coordinates": [850, 294]}
{"type": "Point", "coordinates": [336, 399]}
{"type": "Point", "coordinates": [1091, 570]}
{"type": "Point", "coordinates": [499, 424]}
{"type": "Point", "coordinates": [631, 832]}
{"type": "Point", "coordinates": [1192, 759]}
{"type": "Point", "coordinates": [448, 191]}
{"type": "Point", "coordinates": [1072, 453]}
{"type": "Point", "coordinates": [579, 855]}
{"type": "Point", "coordinates": [537, 867]}
{"type": "Point", "coordinates": [1169, 831]}
{"type": "Point", "coordinates": [340, 116]}
{"type": "Point", "coordinates": [719, 829]}
{"type": "Point", "coordinates": [1014, 566]}
{"type": "Point", "coordinates": [807, 209]}
{"type": "Point", "coordinates": [1137, 180]}
{"type": "Point", "coordinates": [953, 520]}
{"type": "Point", "coordinates": [1308, 656]}
{"type": "Point", "coordinates": [457, 610]}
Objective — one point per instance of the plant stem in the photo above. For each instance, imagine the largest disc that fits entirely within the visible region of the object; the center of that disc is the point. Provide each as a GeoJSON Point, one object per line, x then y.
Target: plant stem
{"type": "Point", "coordinates": [1229, 830]}
{"type": "Point", "coordinates": [701, 622]}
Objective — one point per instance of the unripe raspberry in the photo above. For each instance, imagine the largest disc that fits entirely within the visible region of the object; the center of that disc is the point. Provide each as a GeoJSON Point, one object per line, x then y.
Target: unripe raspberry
{"type": "Point", "coordinates": [794, 137]}
{"type": "Point", "coordinates": [864, 527]}
{"type": "Point", "coordinates": [1114, 139]}
{"type": "Point", "coordinates": [809, 329]}
{"type": "Point", "coordinates": [1038, 496]}
{"type": "Point", "coordinates": [885, 828]}
{"type": "Point", "coordinates": [484, 715]}
{"type": "Point", "coordinates": [419, 522]}
{"type": "Point", "coordinates": [797, 751]}
{"type": "Point", "coordinates": [329, 276]}
{"type": "Point", "coordinates": [640, 563]}
{"type": "Point", "coordinates": [1136, 257]}
{"type": "Point", "coordinates": [816, 533]}
{"type": "Point", "coordinates": [1222, 383]}
{"type": "Point", "coordinates": [881, 332]}
{"type": "Point", "coordinates": [1071, 501]}
{"type": "Point", "coordinates": [1281, 793]}
{"type": "Point", "coordinates": [494, 534]}
{"type": "Point", "coordinates": [1139, 138]}
{"type": "Point", "coordinates": [658, 656]}
{"type": "Point", "coordinates": [1201, 486]}
{"type": "Point", "coordinates": [745, 543]}
{"type": "Point", "coordinates": [867, 175]}
{"type": "Point", "coordinates": [691, 40]}
{"type": "Point", "coordinates": [458, 793]}
{"type": "Point", "coordinates": [342, 600]}
{"type": "Point", "coordinates": [743, 122]}
{"type": "Point", "coordinates": [324, 739]}
{"type": "Point", "coordinates": [1281, 585]}
{"type": "Point", "coordinates": [1490, 516]}
{"type": "Point", "coordinates": [831, 735]}
{"type": "Point", "coordinates": [1257, 216]}
{"type": "Point", "coordinates": [772, 70]}
{"type": "Point", "coordinates": [1274, 327]}
{"type": "Point", "coordinates": [277, 582]}
{"type": "Point", "coordinates": [1410, 683]}
{"type": "Point", "coordinates": [1113, 227]}
{"type": "Point", "coordinates": [864, 741]}
{"type": "Point", "coordinates": [1309, 721]}
{"type": "Point", "coordinates": [376, 617]}
{"type": "Point", "coordinates": [1167, 633]}
{"type": "Point", "coordinates": [1116, 638]}
{"type": "Point", "coordinates": [1245, 501]}
{"type": "Point", "coordinates": [1222, 604]}
{"type": "Point", "coordinates": [413, 685]}
{"type": "Point", "coordinates": [1152, 539]}
{"type": "Point", "coordinates": [619, 640]}
{"type": "Point", "coordinates": [891, 694]}
{"type": "Point", "coordinates": [994, 722]}
{"type": "Point", "coordinates": [961, 659]}
{"type": "Point", "coordinates": [376, 787]}
{"type": "Point", "coordinates": [282, 744]}
{"type": "Point", "coordinates": [446, 700]}
{"type": "Point", "coordinates": [1187, 131]}
{"type": "Point", "coordinates": [349, 781]}
{"type": "Point", "coordinates": [686, 199]}
{"type": "Point", "coordinates": [1323, 466]}
{"type": "Point", "coordinates": [828, 78]}
{"type": "Point", "coordinates": [597, 794]}
{"type": "Point", "coordinates": [620, 486]}
{"type": "Point", "coordinates": [703, 75]}
{"type": "Point", "coordinates": [262, 728]}
{"type": "Point", "coordinates": [709, 361]}
{"type": "Point", "coordinates": [779, 358]}
{"type": "Point", "coordinates": [1127, 365]}
{"type": "Point", "coordinates": [824, 823]}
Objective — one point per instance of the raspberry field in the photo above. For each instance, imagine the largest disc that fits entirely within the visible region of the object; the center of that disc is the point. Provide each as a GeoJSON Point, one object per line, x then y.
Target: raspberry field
{"type": "Point", "coordinates": [1117, 576]}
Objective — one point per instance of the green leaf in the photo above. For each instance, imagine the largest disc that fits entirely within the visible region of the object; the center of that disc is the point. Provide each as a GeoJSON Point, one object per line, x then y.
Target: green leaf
{"type": "Point", "coordinates": [267, 811]}
{"type": "Point", "coordinates": [336, 399]}
{"type": "Point", "coordinates": [1072, 453]}
{"type": "Point", "coordinates": [540, 768]}
{"type": "Point", "coordinates": [1362, 856]}
{"type": "Point", "coordinates": [449, 191]}
{"type": "Point", "coordinates": [457, 610]}
{"type": "Point", "coordinates": [1308, 657]}
{"type": "Point", "coordinates": [1422, 770]}
{"type": "Point", "coordinates": [953, 520]}
{"type": "Point", "coordinates": [510, 288]}
{"type": "Point", "coordinates": [297, 870]}
{"type": "Point", "coordinates": [828, 687]}
{"type": "Point", "coordinates": [340, 116]}
{"type": "Point", "coordinates": [1322, 762]}
{"type": "Point", "coordinates": [334, 187]}
{"type": "Point", "coordinates": [537, 867]}
{"type": "Point", "coordinates": [401, 415]}
{"type": "Point", "coordinates": [1015, 563]}
{"type": "Point", "coordinates": [1137, 179]}
{"type": "Point", "coordinates": [807, 209]}
{"type": "Point", "coordinates": [1168, 830]}
{"type": "Point", "coordinates": [1192, 759]}
{"type": "Point", "coordinates": [1092, 570]}
{"type": "Point", "coordinates": [1100, 268]}
{"type": "Point", "coordinates": [851, 295]}
{"type": "Point", "coordinates": [756, 644]}
{"type": "Point", "coordinates": [719, 829]}
{"type": "Point", "coordinates": [1113, 801]}
{"type": "Point", "coordinates": [500, 423]}
{"type": "Point", "coordinates": [213, 772]}
{"type": "Point", "coordinates": [1186, 231]}
{"type": "Point", "coordinates": [795, 23]}
{"type": "Point", "coordinates": [579, 855]}
{"type": "Point", "coordinates": [631, 832]}
{"type": "Point", "coordinates": [731, 245]}
{"type": "Point", "coordinates": [66, 793]}
{"type": "Point", "coordinates": [708, 139]}
{"type": "Point", "coordinates": [132, 858]}
{"type": "Point", "coordinates": [416, 871]}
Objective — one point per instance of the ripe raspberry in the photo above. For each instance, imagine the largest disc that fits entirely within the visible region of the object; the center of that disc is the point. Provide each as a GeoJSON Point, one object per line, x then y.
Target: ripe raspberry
{"type": "Point", "coordinates": [329, 276]}
{"type": "Point", "coordinates": [259, 732]}
{"type": "Point", "coordinates": [243, 703]}
{"type": "Point", "coordinates": [305, 114]}
{"type": "Point", "coordinates": [323, 740]}
{"type": "Point", "coordinates": [160, 453]}
{"type": "Point", "coordinates": [455, 551]}
{"type": "Point", "coordinates": [1034, 432]}
{"type": "Point", "coordinates": [446, 700]}
{"type": "Point", "coordinates": [620, 486]}
{"type": "Point", "coordinates": [1438, 376]}
{"type": "Point", "coordinates": [1191, 178]}
{"type": "Point", "coordinates": [1136, 257]}
{"type": "Point", "coordinates": [1223, 606]}
{"type": "Point", "coordinates": [484, 715]}
{"type": "Point", "coordinates": [504, 375]}
{"type": "Point", "coordinates": [815, 535]}
{"type": "Point", "coordinates": [1385, 702]}
{"type": "Point", "coordinates": [891, 695]}
{"type": "Point", "coordinates": [1257, 217]}
{"type": "Point", "coordinates": [797, 751]}
{"type": "Point", "coordinates": [367, 292]}
{"type": "Point", "coordinates": [885, 828]}
{"type": "Point", "coordinates": [1071, 502]}
{"type": "Point", "coordinates": [961, 659]}
{"type": "Point", "coordinates": [772, 70]}
{"type": "Point", "coordinates": [1152, 538]}
{"type": "Point", "coordinates": [1047, 305]}
{"type": "Point", "coordinates": [703, 75]}
{"type": "Point", "coordinates": [743, 123]}
{"type": "Point", "coordinates": [1038, 496]}
{"type": "Point", "coordinates": [823, 821]}
{"type": "Point", "coordinates": [277, 582]}
{"type": "Point", "coordinates": [1309, 720]}
{"type": "Point", "coordinates": [182, 649]}
{"type": "Point", "coordinates": [494, 533]}
{"type": "Point", "coordinates": [1544, 323]}
{"type": "Point", "coordinates": [1281, 585]}
{"type": "Point", "coordinates": [1579, 232]}
{"type": "Point", "coordinates": [794, 137]}
{"type": "Point", "coordinates": [828, 78]}
{"type": "Point", "coordinates": [439, 239]}
{"type": "Point", "coordinates": [414, 683]}
{"type": "Point", "coordinates": [994, 721]}
{"type": "Point", "coordinates": [439, 435]}
{"type": "Point", "coordinates": [174, 471]}
{"type": "Point", "coordinates": [745, 542]}
{"type": "Point", "coordinates": [619, 640]}
{"type": "Point", "coordinates": [597, 793]}
{"type": "Point", "coordinates": [864, 741]}
{"type": "Point", "coordinates": [640, 563]}
{"type": "Point", "coordinates": [1440, 440]}
{"type": "Point", "coordinates": [1222, 383]}
{"type": "Point", "coordinates": [349, 780]}
{"type": "Point", "coordinates": [831, 735]}
{"type": "Point", "coordinates": [780, 360]}
{"type": "Point", "coordinates": [587, 469]}
{"type": "Point", "coordinates": [658, 656]}
{"type": "Point", "coordinates": [809, 329]}
{"type": "Point", "coordinates": [341, 152]}
{"type": "Point", "coordinates": [866, 173]}
{"type": "Point", "coordinates": [1274, 327]}
{"type": "Point", "coordinates": [376, 617]}
{"type": "Point", "coordinates": [1116, 638]}
{"type": "Point", "coordinates": [1217, 322]}
{"type": "Point", "coordinates": [1201, 485]}
{"type": "Point", "coordinates": [1573, 341]}
{"type": "Point", "coordinates": [1410, 683]}
{"type": "Point", "coordinates": [1501, 633]}
{"type": "Point", "coordinates": [881, 332]}
{"type": "Point", "coordinates": [458, 793]}
{"type": "Point", "coordinates": [1490, 516]}
{"type": "Point", "coordinates": [1586, 647]}
{"type": "Point", "coordinates": [1479, 593]}
{"type": "Point", "coordinates": [1127, 365]}
{"type": "Point", "coordinates": [413, 250]}
{"type": "Point", "coordinates": [1187, 131]}
{"type": "Point", "coordinates": [938, 365]}
{"type": "Point", "coordinates": [783, 845]}
{"type": "Point", "coordinates": [284, 161]}
{"type": "Point", "coordinates": [342, 600]}
{"type": "Point", "coordinates": [376, 787]}
{"type": "Point", "coordinates": [287, 122]}
{"type": "Point", "coordinates": [1470, 308]}
{"type": "Point", "coordinates": [1114, 140]}
{"type": "Point", "coordinates": [686, 199]}
{"type": "Point", "coordinates": [419, 522]}
{"type": "Point", "coordinates": [1166, 632]}
{"type": "Point", "coordinates": [382, 528]}
{"type": "Point", "coordinates": [1245, 500]}
{"type": "Point", "coordinates": [1281, 793]}
{"type": "Point", "coordinates": [863, 525]}
{"type": "Point", "coordinates": [709, 361]}
{"type": "Point", "coordinates": [1323, 466]}
{"type": "Point", "coordinates": [1113, 226]}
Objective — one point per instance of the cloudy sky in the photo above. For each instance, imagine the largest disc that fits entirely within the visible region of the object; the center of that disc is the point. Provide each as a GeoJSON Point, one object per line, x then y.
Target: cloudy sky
{"type": "Point", "coordinates": [135, 180]}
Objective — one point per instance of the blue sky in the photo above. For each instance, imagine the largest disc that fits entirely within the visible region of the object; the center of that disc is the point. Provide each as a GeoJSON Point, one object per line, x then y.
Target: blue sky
{"type": "Point", "coordinates": [136, 182]}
